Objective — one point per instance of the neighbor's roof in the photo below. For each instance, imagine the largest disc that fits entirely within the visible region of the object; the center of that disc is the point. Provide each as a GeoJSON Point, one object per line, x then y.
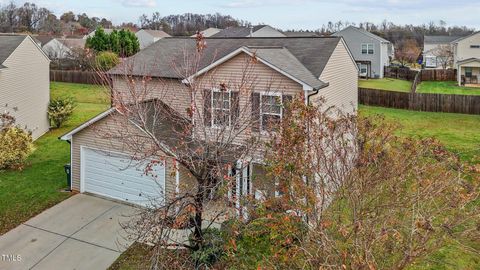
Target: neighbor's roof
{"type": "Point", "coordinates": [209, 32]}
{"type": "Point", "coordinates": [156, 33]}
{"type": "Point", "coordinates": [363, 31]}
{"type": "Point", "coordinates": [467, 36]}
{"type": "Point", "coordinates": [297, 56]}
{"type": "Point", "coordinates": [468, 60]}
{"type": "Point", "coordinates": [8, 44]}
{"type": "Point", "coordinates": [300, 34]}
{"type": "Point", "coordinates": [439, 39]}
{"type": "Point", "coordinates": [73, 42]}
{"type": "Point", "coordinates": [238, 31]}
{"type": "Point", "coordinates": [44, 39]}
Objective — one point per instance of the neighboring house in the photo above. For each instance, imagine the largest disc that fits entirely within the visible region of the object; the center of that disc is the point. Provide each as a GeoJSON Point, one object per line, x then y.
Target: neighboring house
{"type": "Point", "coordinates": [91, 34]}
{"type": "Point", "coordinates": [208, 32]}
{"type": "Point", "coordinates": [147, 37]}
{"type": "Point", "coordinates": [432, 47]}
{"type": "Point", "coordinates": [317, 67]}
{"type": "Point", "coordinates": [371, 52]}
{"type": "Point", "coordinates": [254, 31]}
{"type": "Point", "coordinates": [300, 34]}
{"type": "Point", "coordinates": [25, 82]}
{"type": "Point", "coordinates": [466, 59]}
{"type": "Point", "coordinates": [62, 48]}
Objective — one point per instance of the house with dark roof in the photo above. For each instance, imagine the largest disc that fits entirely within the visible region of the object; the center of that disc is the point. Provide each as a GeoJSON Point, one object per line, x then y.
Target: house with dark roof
{"type": "Point", "coordinates": [253, 31]}
{"type": "Point", "coordinates": [147, 37]}
{"type": "Point", "coordinates": [433, 47]}
{"type": "Point", "coordinates": [371, 52]}
{"type": "Point", "coordinates": [208, 32]}
{"type": "Point", "coordinates": [25, 82]}
{"type": "Point", "coordinates": [237, 78]}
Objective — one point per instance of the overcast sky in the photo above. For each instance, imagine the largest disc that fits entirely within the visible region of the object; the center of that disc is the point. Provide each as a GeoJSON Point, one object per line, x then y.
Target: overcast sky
{"type": "Point", "coordinates": [285, 14]}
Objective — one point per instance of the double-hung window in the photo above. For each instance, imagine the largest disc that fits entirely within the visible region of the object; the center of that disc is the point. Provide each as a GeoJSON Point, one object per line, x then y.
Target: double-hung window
{"type": "Point", "coordinates": [221, 108]}
{"type": "Point", "coordinates": [367, 48]}
{"type": "Point", "coordinates": [271, 111]}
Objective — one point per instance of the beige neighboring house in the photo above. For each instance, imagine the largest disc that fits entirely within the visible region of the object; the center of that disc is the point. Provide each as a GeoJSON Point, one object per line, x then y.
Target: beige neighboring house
{"type": "Point", "coordinates": [253, 31]}
{"type": "Point", "coordinates": [433, 46]}
{"type": "Point", "coordinates": [147, 37]}
{"type": "Point", "coordinates": [208, 32]}
{"type": "Point", "coordinates": [25, 82]}
{"type": "Point", "coordinates": [315, 67]}
{"type": "Point", "coordinates": [62, 48]}
{"type": "Point", "coordinates": [466, 59]}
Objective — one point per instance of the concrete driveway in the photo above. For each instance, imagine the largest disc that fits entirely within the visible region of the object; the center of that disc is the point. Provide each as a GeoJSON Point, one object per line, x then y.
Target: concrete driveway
{"type": "Point", "coordinates": [82, 232]}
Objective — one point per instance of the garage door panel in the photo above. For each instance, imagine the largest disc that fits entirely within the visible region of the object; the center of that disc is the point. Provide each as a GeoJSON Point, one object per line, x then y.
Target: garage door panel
{"type": "Point", "coordinates": [116, 176]}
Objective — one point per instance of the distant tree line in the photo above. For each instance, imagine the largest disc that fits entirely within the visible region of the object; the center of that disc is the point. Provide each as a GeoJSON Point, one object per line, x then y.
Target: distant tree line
{"type": "Point", "coordinates": [31, 18]}
{"type": "Point", "coordinates": [188, 24]}
{"type": "Point", "coordinates": [399, 34]}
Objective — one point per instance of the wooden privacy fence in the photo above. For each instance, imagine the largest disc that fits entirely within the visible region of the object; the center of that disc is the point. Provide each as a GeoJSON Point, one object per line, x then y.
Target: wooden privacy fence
{"type": "Point", "coordinates": [420, 102]}
{"type": "Point", "coordinates": [74, 76]}
{"type": "Point", "coordinates": [400, 73]}
{"type": "Point", "coordinates": [439, 75]}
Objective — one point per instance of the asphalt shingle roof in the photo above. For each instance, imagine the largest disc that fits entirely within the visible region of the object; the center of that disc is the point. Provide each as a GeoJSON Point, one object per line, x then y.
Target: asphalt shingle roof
{"type": "Point", "coordinates": [8, 44]}
{"type": "Point", "coordinates": [167, 56]}
{"type": "Point", "coordinates": [238, 31]}
{"type": "Point", "coordinates": [439, 39]}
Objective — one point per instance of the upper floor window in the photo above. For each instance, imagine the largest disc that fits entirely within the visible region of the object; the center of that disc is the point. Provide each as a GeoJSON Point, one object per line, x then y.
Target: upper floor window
{"type": "Point", "coordinates": [271, 111]}
{"type": "Point", "coordinates": [475, 46]}
{"type": "Point", "coordinates": [221, 107]}
{"type": "Point", "coordinates": [367, 48]}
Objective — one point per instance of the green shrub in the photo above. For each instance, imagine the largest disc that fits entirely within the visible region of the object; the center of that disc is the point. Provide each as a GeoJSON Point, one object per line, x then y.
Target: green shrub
{"type": "Point", "coordinates": [106, 60]}
{"type": "Point", "coordinates": [60, 109]}
{"type": "Point", "coordinates": [211, 251]}
{"type": "Point", "coordinates": [15, 144]}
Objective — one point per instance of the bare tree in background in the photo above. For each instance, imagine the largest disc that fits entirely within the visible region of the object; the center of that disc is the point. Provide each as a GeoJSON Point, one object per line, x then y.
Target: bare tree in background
{"type": "Point", "coordinates": [407, 52]}
{"type": "Point", "coordinates": [444, 55]}
{"type": "Point", "coordinates": [209, 126]}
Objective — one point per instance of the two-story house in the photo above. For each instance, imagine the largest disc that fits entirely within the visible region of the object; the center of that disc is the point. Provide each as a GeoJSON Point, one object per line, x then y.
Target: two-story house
{"type": "Point", "coordinates": [466, 59]}
{"type": "Point", "coordinates": [25, 82]}
{"type": "Point", "coordinates": [436, 50]}
{"type": "Point", "coordinates": [371, 52]}
{"type": "Point", "coordinates": [254, 73]}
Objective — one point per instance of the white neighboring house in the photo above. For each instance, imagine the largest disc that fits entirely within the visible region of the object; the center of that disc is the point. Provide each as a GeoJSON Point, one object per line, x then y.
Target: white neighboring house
{"type": "Point", "coordinates": [25, 82]}
{"type": "Point", "coordinates": [466, 59]}
{"type": "Point", "coordinates": [431, 48]}
{"type": "Point", "coordinates": [208, 32]}
{"type": "Point", "coordinates": [147, 37]}
{"type": "Point", "coordinates": [62, 48]}
{"type": "Point", "coordinates": [371, 52]}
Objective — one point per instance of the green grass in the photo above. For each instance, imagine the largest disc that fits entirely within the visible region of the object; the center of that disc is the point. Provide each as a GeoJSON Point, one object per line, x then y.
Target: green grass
{"type": "Point", "coordinates": [83, 93]}
{"type": "Point", "coordinates": [386, 84]}
{"type": "Point", "coordinates": [460, 133]}
{"type": "Point", "coordinates": [448, 87]}
{"type": "Point", "coordinates": [39, 186]}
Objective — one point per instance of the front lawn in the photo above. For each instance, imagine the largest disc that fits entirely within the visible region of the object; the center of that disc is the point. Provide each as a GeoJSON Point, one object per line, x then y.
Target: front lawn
{"type": "Point", "coordinates": [447, 87]}
{"type": "Point", "coordinates": [26, 193]}
{"type": "Point", "coordinates": [386, 84]}
{"type": "Point", "coordinates": [460, 133]}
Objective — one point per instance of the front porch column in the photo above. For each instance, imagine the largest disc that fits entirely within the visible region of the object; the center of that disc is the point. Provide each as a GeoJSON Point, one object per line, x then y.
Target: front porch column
{"type": "Point", "coordinates": [459, 75]}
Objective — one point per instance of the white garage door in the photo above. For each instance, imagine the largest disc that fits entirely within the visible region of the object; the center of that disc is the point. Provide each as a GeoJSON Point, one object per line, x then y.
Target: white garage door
{"type": "Point", "coordinates": [117, 176]}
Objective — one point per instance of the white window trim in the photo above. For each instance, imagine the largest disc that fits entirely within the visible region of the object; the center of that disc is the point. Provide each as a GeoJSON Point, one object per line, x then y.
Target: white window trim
{"type": "Point", "coordinates": [261, 107]}
{"type": "Point", "coordinates": [368, 45]}
{"type": "Point", "coordinates": [213, 109]}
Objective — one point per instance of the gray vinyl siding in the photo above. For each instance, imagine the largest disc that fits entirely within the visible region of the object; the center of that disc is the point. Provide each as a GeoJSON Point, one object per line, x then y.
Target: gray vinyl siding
{"type": "Point", "coordinates": [25, 87]}
{"type": "Point", "coordinates": [341, 75]}
{"type": "Point", "coordinates": [354, 40]}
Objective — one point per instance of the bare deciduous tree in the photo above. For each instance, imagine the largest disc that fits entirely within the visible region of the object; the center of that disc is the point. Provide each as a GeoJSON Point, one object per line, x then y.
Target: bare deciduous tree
{"type": "Point", "coordinates": [444, 55]}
